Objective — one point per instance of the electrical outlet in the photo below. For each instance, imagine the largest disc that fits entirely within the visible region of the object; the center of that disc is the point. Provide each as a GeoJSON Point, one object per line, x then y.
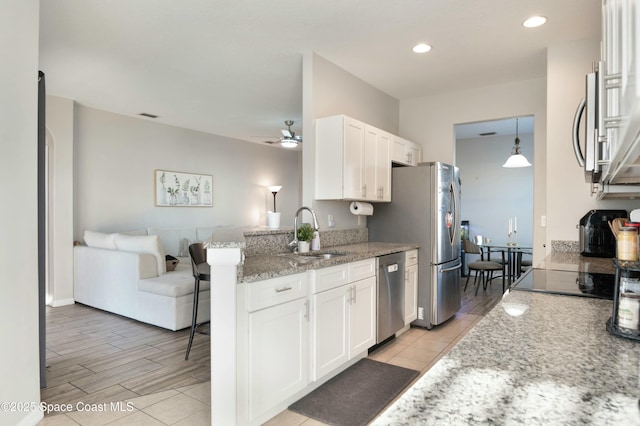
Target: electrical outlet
{"type": "Point", "coordinates": [420, 313]}
{"type": "Point", "coordinates": [543, 221]}
{"type": "Point", "coordinates": [330, 221]}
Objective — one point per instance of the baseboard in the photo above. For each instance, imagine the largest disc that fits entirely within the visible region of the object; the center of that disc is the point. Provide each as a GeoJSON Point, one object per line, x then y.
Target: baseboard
{"type": "Point", "coordinates": [61, 302]}
{"type": "Point", "coordinates": [32, 419]}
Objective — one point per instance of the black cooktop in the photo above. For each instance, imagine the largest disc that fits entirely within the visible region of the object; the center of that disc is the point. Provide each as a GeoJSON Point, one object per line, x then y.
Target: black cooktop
{"type": "Point", "coordinates": [570, 283]}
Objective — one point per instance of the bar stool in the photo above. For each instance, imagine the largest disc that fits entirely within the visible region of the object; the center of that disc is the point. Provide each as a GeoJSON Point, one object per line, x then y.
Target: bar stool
{"type": "Point", "coordinates": [201, 272]}
{"type": "Point", "coordinates": [481, 266]}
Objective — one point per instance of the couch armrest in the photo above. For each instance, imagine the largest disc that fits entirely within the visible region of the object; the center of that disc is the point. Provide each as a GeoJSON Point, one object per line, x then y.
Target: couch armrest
{"type": "Point", "coordinates": [108, 279]}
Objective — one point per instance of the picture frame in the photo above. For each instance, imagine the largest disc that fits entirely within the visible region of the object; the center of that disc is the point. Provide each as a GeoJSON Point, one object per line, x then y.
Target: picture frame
{"type": "Point", "coordinates": [181, 189]}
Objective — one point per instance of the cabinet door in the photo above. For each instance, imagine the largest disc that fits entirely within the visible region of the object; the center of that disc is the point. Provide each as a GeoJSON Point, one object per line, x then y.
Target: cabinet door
{"type": "Point", "coordinates": [399, 150]}
{"type": "Point", "coordinates": [411, 294]}
{"type": "Point", "coordinates": [278, 354]}
{"type": "Point", "coordinates": [383, 167]}
{"type": "Point", "coordinates": [330, 330]}
{"type": "Point", "coordinates": [414, 154]}
{"type": "Point", "coordinates": [353, 170]}
{"type": "Point", "coordinates": [370, 143]}
{"type": "Point", "coordinates": [362, 316]}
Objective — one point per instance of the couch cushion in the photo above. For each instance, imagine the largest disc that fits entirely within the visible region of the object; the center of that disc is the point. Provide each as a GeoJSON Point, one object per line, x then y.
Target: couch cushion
{"type": "Point", "coordinates": [100, 240]}
{"type": "Point", "coordinates": [143, 244]}
{"type": "Point", "coordinates": [172, 284]}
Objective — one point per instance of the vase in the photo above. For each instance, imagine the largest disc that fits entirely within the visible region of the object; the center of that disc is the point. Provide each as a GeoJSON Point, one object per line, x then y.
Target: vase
{"type": "Point", "coordinates": [195, 198]}
{"type": "Point", "coordinates": [173, 199]}
{"type": "Point", "coordinates": [185, 198]}
{"type": "Point", "coordinates": [273, 220]}
{"type": "Point", "coordinates": [303, 246]}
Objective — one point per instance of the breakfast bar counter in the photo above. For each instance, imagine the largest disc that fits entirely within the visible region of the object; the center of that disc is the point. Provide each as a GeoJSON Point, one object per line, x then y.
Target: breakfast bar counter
{"type": "Point", "coordinates": [534, 359]}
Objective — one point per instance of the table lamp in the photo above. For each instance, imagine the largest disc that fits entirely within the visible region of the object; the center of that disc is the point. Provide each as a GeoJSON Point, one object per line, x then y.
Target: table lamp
{"type": "Point", "coordinates": [274, 190]}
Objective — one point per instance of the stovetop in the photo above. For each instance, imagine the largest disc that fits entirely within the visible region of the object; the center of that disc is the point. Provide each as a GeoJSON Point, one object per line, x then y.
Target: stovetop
{"type": "Point", "coordinates": [570, 283]}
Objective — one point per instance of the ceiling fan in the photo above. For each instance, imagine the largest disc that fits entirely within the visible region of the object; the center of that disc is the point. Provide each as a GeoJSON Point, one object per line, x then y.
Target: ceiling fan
{"type": "Point", "coordinates": [288, 138]}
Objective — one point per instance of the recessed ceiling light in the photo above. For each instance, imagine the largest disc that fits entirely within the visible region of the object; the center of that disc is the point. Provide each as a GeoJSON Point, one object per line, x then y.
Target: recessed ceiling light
{"type": "Point", "coordinates": [146, 114]}
{"type": "Point", "coordinates": [421, 48]}
{"type": "Point", "coordinates": [534, 21]}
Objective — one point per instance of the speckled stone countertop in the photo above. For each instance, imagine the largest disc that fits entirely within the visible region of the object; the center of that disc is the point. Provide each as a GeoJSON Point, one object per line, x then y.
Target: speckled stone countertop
{"type": "Point", "coordinates": [535, 359]}
{"type": "Point", "coordinates": [572, 261]}
{"type": "Point", "coordinates": [263, 267]}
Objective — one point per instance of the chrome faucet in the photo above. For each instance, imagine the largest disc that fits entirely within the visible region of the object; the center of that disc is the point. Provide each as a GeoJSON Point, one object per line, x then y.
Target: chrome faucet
{"type": "Point", "coordinates": [293, 245]}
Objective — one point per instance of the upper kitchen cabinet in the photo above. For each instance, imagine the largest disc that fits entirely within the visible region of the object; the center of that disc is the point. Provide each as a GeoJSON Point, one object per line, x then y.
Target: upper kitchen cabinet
{"type": "Point", "coordinates": [353, 160]}
{"type": "Point", "coordinates": [619, 88]}
{"type": "Point", "coordinates": [405, 152]}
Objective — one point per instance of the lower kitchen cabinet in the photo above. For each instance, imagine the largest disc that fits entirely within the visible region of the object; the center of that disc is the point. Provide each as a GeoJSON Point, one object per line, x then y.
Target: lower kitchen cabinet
{"type": "Point", "coordinates": [343, 324]}
{"type": "Point", "coordinates": [273, 353]}
{"type": "Point", "coordinates": [411, 287]}
{"type": "Point", "coordinates": [278, 354]}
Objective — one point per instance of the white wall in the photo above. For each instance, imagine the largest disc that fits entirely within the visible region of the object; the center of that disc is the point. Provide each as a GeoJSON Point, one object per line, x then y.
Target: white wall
{"type": "Point", "coordinates": [568, 196]}
{"type": "Point", "coordinates": [60, 228]}
{"type": "Point", "coordinates": [430, 122]}
{"type": "Point", "coordinates": [19, 367]}
{"type": "Point", "coordinates": [491, 194]}
{"type": "Point", "coordinates": [115, 160]}
{"type": "Point", "coordinates": [329, 90]}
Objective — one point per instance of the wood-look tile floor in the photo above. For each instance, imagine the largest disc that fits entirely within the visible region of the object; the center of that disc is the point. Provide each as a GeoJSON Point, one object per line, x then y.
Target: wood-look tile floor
{"type": "Point", "coordinates": [95, 357]}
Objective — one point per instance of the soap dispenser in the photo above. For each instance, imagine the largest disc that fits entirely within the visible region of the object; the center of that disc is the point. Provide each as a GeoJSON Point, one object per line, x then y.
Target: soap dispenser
{"type": "Point", "coordinates": [315, 241]}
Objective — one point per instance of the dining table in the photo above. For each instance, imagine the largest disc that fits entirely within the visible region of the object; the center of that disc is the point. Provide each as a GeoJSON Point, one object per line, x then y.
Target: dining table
{"type": "Point", "coordinates": [511, 257]}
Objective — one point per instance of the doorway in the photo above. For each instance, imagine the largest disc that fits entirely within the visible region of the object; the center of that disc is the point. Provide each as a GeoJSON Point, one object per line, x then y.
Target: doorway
{"type": "Point", "coordinates": [492, 194]}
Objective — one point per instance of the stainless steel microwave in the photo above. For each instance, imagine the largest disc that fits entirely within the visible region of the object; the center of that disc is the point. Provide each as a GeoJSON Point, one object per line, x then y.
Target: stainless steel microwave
{"type": "Point", "coordinates": [590, 109]}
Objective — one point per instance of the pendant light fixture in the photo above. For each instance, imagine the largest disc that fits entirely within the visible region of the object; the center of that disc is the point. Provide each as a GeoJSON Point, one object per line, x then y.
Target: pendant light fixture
{"type": "Point", "coordinates": [516, 159]}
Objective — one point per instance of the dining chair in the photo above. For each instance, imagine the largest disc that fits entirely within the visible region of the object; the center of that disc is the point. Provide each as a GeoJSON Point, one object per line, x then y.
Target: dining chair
{"type": "Point", "coordinates": [201, 272]}
{"type": "Point", "coordinates": [485, 268]}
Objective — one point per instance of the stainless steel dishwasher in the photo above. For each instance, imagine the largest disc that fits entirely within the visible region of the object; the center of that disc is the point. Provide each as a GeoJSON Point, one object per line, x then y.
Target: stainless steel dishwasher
{"type": "Point", "coordinates": [390, 295]}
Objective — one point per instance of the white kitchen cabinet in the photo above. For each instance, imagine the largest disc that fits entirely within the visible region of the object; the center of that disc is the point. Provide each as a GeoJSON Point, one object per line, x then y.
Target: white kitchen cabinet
{"type": "Point", "coordinates": [278, 342]}
{"type": "Point", "coordinates": [411, 287]}
{"type": "Point", "coordinates": [343, 315]}
{"type": "Point", "coordinates": [620, 78]}
{"type": "Point", "coordinates": [362, 316]}
{"type": "Point", "coordinates": [352, 160]}
{"type": "Point", "coordinates": [405, 152]}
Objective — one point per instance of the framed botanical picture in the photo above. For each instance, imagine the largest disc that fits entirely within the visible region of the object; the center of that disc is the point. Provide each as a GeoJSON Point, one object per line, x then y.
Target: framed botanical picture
{"type": "Point", "coordinates": [178, 189]}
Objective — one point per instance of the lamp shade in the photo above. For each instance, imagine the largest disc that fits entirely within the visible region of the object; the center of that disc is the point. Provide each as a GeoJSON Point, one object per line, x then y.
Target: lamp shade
{"type": "Point", "coordinates": [275, 188]}
{"type": "Point", "coordinates": [516, 160]}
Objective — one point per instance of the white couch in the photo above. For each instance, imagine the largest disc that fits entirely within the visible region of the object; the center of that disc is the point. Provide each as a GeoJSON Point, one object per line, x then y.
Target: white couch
{"type": "Point", "coordinates": [126, 275]}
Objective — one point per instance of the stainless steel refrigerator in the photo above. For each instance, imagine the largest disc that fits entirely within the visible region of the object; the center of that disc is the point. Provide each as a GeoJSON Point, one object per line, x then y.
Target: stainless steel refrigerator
{"type": "Point", "coordinates": [424, 209]}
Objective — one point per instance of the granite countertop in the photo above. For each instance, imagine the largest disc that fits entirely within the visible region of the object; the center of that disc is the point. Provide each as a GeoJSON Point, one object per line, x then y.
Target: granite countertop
{"type": "Point", "coordinates": [262, 267]}
{"type": "Point", "coordinates": [572, 261]}
{"type": "Point", "coordinates": [534, 359]}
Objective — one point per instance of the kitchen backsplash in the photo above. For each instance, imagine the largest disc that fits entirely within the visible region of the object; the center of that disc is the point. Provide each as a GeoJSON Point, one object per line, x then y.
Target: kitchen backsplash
{"type": "Point", "coordinates": [565, 246]}
{"type": "Point", "coordinates": [271, 241]}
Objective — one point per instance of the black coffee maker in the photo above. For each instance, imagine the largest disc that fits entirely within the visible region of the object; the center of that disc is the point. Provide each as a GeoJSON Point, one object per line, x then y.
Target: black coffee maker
{"type": "Point", "coordinates": [596, 238]}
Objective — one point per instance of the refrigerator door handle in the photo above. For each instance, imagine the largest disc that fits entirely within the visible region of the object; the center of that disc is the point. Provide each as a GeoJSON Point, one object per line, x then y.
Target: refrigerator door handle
{"type": "Point", "coordinates": [458, 266]}
{"type": "Point", "coordinates": [456, 219]}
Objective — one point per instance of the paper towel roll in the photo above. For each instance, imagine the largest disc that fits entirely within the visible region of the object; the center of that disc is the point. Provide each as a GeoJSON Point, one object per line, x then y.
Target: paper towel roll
{"type": "Point", "coordinates": [361, 209]}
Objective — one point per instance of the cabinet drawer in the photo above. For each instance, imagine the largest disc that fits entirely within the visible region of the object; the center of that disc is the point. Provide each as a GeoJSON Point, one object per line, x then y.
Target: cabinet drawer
{"type": "Point", "coordinates": [262, 294]}
{"type": "Point", "coordinates": [362, 269]}
{"type": "Point", "coordinates": [328, 278]}
{"type": "Point", "coordinates": [412, 257]}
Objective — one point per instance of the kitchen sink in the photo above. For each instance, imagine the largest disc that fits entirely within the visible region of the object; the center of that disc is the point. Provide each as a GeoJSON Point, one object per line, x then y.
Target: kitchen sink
{"type": "Point", "coordinates": [313, 255]}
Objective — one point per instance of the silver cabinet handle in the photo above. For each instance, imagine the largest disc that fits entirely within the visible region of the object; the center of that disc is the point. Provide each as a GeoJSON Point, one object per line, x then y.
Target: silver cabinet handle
{"type": "Point", "coordinates": [355, 294]}
{"type": "Point", "coordinates": [306, 310]}
{"type": "Point", "coordinates": [280, 290]}
{"type": "Point", "coordinates": [364, 190]}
